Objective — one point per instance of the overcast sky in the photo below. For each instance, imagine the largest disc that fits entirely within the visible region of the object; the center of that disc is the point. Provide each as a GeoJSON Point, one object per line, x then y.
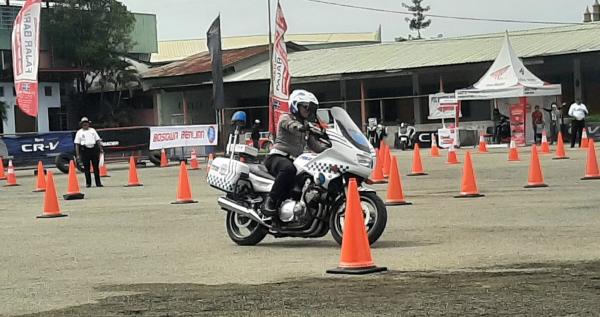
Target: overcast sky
{"type": "Point", "coordinates": [187, 19]}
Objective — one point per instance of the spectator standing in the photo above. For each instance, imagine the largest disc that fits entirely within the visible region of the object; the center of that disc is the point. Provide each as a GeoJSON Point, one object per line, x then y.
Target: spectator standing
{"type": "Point", "coordinates": [255, 136]}
{"type": "Point", "coordinates": [578, 111]}
{"type": "Point", "coordinates": [537, 120]}
{"type": "Point", "coordinates": [88, 147]}
{"type": "Point", "coordinates": [555, 118]}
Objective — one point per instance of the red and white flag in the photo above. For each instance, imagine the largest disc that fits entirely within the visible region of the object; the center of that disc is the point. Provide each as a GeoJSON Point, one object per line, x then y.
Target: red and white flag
{"type": "Point", "coordinates": [281, 73]}
{"type": "Point", "coordinates": [26, 56]}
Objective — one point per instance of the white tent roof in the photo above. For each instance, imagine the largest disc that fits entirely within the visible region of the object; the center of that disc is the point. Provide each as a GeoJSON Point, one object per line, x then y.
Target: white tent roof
{"type": "Point", "coordinates": [508, 78]}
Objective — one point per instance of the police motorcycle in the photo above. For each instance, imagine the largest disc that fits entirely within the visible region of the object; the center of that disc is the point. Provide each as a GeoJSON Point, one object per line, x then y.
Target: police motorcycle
{"type": "Point", "coordinates": [318, 200]}
{"type": "Point", "coordinates": [406, 136]}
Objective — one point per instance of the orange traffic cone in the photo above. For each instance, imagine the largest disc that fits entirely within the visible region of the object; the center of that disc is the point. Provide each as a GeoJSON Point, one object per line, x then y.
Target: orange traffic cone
{"type": "Point", "coordinates": [591, 169]}
{"type": "Point", "coordinates": [417, 167]}
{"type": "Point", "coordinates": [452, 158]}
{"type": "Point", "coordinates": [133, 175]}
{"type": "Point", "coordinates": [73, 191]}
{"type": "Point", "coordinates": [482, 145]}
{"type": "Point", "coordinates": [211, 157]}
{"type": "Point", "coordinates": [164, 161]}
{"type": "Point", "coordinates": [469, 181]}
{"type": "Point", "coordinates": [104, 171]}
{"type": "Point", "coordinates": [536, 176]}
{"type": "Point", "coordinates": [51, 206]}
{"type": "Point", "coordinates": [184, 191]}
{"type": "Point", "coordinates": [513, 153]}
{"type": "Point", "coordinates": [377, 176]}
{"type": "Point", "coordinates": [584, 139]}
{"type": "Point", "coordinates": [2, 175]}
{"type": "Point", "coordinates": [194, 161]}
{"type": "Point", "coordinates": [388, 162]}
{"type": "Point", "coordinates": [435, 150]}
{"type": "Point", "coordinates": [560, 149]}
{"type": "Point", "coordinates": [11, 178]}
{"type": "Point", "coordinates": [395, 194]}
{"type": "Point", "coordinates": [41, 179]}
{"type": "Point", "coordinates": [545, 149]}
{"type": "Point", "coordinates": [356, 252]}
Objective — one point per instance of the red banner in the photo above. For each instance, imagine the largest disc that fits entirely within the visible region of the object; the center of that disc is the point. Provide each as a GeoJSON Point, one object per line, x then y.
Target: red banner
{"type": "Point", "coordinates": [281, 73]}
{"type": "Point", "coordinates": [517, 123]}
{"type": "Point", "coordinates": [26, 55]}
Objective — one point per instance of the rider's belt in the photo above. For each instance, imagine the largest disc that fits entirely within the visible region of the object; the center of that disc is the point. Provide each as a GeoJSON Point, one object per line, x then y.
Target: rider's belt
{"type": "Point", "coordinates": [282, 153]}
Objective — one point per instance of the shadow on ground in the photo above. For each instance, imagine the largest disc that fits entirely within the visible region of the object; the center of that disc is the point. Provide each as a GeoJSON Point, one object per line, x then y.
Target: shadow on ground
{"type": "Point", "coordinates": [535, 290]}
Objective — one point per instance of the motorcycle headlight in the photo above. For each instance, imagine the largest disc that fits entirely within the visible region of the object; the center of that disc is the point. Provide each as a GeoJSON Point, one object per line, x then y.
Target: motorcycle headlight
{"type": "Point", "coordinates": [364, 160]}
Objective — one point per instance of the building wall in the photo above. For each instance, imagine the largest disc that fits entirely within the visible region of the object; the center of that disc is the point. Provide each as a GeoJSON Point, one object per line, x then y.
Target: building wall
{"type": "Point", "coordinates": [45, 102]}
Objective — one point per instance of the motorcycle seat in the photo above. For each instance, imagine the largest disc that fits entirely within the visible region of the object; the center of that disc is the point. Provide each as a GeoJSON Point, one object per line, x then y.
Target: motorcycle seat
{"type": "Point", "coordinates": [260, 170]}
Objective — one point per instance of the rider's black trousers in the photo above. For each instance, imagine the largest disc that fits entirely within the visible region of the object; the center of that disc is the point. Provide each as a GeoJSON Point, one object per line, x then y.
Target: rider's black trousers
{"type": "Point", "coordinates": [284, 171]}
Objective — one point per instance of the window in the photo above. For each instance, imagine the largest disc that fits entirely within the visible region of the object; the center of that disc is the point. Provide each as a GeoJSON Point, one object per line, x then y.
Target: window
{"type": "Point", "coordinates": [48, 91]}
{"type": "Point", "coordinates": [1, 91]}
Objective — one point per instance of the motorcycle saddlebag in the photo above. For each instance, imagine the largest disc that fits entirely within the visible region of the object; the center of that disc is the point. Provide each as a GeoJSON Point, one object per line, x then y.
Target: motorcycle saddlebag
{"type": "Point", "coordinates": [225, 173]}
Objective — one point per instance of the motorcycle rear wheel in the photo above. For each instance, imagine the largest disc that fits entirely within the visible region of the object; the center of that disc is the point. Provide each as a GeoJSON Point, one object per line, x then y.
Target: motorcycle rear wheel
{"type": "Point", "coordinates": [243, 230]}
{"type": "Point", "coordinates": [375, 217]}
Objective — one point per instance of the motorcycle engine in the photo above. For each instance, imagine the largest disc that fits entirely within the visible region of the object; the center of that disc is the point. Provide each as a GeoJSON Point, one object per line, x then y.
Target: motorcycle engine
{"type": "Point", "coordinates": [291, 211]}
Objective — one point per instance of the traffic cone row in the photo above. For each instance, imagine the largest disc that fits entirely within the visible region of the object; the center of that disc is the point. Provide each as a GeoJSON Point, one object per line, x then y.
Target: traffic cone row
{"type": "Point", "coordinates": [133, 174]}
{"type": "Point", "coordinates": [545, 147]}
{"type": "Point", "coordinates": [452, 158]}
{"type": "Point", "coordinates": [2, 175]}
{"type": "Point", "coordinates": [11, 177]}
{"type": "Point", "coordinates": [164, 161]}
{"type": "Point", "coordinates": [184, 191]}
{"type": "Point", "coordinates": [41, 179]}
{"type": "Point", "coordinates": [417, 167]}
{"type": "Point", "coordinates": [194, 165]}
{"type": "Point", "coordinates": [584, 139]}
{"type": "Point", "coordinates": [73, 190]}
{"type": "Point", "coordinates": [211, 157]}
{"type": "Point", "coordinates": [435, 150]}
{"type": "Point", "coordinates": [591, 169]}
{"type": "Point", "coordinates": [377, 175]}
{"type": "Point", "coordinates": [387, 162]}
{"type": "Point", "coordinates": [513, 153]}
{"type": "Point", "coordinates": [536, 176]}
{"type": "Point", "coordinates": [356, 252]}
{"type": "Point", "coordinates": [51, 206]}
{"type": "Point", "coordinates": [482, 145]}
{"type": "Point", "coordinates": [469, 182]}
{"type": "Point", "coordinates": [560, 149]}
{"type": "Point", "coordinates": [395, 194]}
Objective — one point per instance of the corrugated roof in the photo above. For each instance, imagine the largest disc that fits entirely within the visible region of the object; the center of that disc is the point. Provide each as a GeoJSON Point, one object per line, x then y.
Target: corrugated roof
{"type": "Point", "coordinates": [179, 49]}
{"type": "Point", "coordinates": [427, 53]}
{"type": "Point", "coordinates": [201, 63]}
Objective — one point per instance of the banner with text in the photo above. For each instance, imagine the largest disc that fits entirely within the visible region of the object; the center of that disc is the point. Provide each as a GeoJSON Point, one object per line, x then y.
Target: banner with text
{"type": "Point", "coordinates": [182, 136]}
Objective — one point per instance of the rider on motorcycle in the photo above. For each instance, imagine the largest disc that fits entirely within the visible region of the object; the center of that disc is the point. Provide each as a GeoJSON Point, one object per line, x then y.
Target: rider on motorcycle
{"type": "Point", "coordinates": [292, 137]}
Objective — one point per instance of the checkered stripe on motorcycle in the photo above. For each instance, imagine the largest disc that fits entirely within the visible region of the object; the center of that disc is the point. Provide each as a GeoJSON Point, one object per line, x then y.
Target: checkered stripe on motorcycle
{"type": "Point", "coordinates": [326, 168]}
{"type": "Point", "coordinates": [220, 182]}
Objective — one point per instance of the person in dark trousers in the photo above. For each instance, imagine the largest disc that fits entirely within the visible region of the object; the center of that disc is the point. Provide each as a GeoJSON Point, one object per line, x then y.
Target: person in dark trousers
{"type": "Point", "coordinates": [498, 119]}
{"type": "Point", "coordinates": [88, 147]}
{"type": "Point", "coordinates": [292, 137]}
{"type": "Point", "coordinates": [578, 111]}
{"type": "Point", "coordinates": [555, 119]}
{"type": "Point", "coordinates": [537, 120]}
{"type": "Point", "coordinates": [256, 134]}
{"type": "Point", "coordinates": [563, 127]}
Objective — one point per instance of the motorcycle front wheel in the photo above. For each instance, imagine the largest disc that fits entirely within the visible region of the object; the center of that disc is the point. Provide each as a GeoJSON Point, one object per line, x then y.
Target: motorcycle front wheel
{"type": "Point", "coordinates": [374, 213]}
{"type": "Point", "coordinates": [243, 230]}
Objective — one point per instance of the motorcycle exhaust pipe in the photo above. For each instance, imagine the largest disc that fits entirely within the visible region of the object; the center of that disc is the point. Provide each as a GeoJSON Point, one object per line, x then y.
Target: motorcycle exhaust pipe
{"type": "Point", "coordinates": [232, 206]}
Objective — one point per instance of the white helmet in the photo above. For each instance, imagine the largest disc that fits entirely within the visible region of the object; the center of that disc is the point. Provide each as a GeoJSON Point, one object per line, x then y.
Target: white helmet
{"type": "Point", "coordinates": [257, 121]}
{"type": "Point", "coordinates": [302, 97]}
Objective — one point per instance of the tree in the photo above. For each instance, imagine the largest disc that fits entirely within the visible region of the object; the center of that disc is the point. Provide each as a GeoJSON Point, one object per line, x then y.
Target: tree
{"type": "Point", "coordinates": [90, 35]}
{"type": "Point", "coordinates": [418, 22]}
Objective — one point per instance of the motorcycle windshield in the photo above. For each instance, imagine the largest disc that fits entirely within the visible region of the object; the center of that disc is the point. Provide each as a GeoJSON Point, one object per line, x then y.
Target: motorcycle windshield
{"type": "Point", "coordinates": [349, 129]}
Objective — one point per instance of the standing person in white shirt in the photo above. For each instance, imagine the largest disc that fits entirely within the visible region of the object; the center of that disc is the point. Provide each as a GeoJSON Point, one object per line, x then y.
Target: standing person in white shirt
{"type": "Point", "coordinates": [578, 112]}
{"type": "Point", "coordinates": [88, 147]}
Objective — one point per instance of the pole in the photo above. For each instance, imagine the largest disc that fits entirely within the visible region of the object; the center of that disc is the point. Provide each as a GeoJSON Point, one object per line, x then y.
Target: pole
{"type": "Point", "coordinates": [271, 113]}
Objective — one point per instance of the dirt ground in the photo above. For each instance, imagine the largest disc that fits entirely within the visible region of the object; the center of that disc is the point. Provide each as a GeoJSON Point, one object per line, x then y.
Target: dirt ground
{"type": "Point", "coordinates": [128, 251]}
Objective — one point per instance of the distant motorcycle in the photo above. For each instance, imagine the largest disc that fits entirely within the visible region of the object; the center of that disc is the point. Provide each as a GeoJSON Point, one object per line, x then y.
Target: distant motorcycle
{"type": "Point", "coordinates": [406, 136]}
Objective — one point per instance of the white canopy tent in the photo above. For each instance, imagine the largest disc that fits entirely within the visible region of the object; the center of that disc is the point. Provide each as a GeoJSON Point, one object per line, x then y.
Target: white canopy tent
{"type": "Point", "coordinates": [508, 78]}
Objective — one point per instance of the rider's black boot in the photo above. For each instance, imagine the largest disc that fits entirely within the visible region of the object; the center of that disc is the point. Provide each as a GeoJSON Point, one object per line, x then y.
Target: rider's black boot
{"type": "Point", "coordinates": [269, 208]}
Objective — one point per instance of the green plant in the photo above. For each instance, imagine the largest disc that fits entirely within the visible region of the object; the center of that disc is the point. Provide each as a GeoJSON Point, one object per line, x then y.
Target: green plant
{"type": "Point", "coordinates": [593, 118]}
{"type": "Point", "coordinates": [418, 22]}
